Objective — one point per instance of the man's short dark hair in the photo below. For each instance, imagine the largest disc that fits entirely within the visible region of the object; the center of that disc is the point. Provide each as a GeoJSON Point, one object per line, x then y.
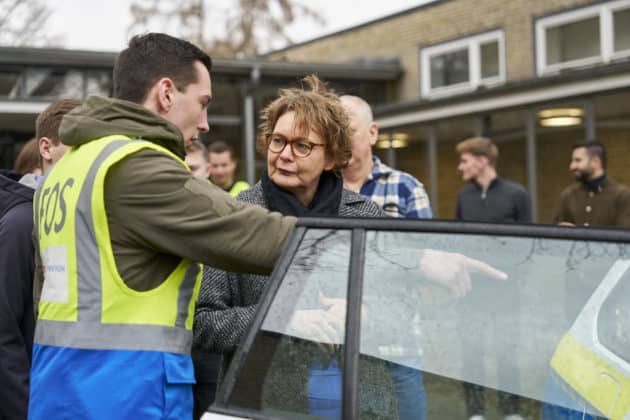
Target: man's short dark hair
{"type": "Point", "coordinates": [593, 148]}
{"type": "Point", "coordinates": [150, 57]}
{"type": "Point", "coordinates": [221, 147]}
{"type": "Point", "coordinates": [48, 122]}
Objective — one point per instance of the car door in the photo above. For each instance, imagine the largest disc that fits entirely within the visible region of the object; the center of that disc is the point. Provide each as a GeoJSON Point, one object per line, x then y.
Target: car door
{"type": "Point", "coordinates": [360, 320]}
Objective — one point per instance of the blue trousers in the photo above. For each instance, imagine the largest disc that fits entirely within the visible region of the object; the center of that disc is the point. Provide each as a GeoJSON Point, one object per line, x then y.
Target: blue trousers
{"type": "Point", "coordinates": [412, 398]}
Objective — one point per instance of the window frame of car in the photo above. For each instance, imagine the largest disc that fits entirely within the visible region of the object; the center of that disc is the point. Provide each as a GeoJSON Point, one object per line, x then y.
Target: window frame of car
{"type": "Point", "coordinates": [359, 228]}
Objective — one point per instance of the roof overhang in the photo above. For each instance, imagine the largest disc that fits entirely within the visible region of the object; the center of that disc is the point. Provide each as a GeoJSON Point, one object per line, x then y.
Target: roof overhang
{"type": "Point", "coordinates": [19, 56]}
{"type": "Point", "coordinates": [530, 93]}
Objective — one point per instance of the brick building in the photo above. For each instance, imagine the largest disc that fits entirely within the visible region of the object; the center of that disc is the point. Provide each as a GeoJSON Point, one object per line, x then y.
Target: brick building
{"type": "Point", "coordinates": [534, 75]}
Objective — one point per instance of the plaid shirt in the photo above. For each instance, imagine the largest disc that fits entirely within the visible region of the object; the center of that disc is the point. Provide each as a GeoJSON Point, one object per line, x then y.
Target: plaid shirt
{"type": "Point", "coordinates": [397, 192]}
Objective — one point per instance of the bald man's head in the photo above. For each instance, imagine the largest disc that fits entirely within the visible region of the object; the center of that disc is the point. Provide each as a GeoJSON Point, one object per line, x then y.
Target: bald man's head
{"type": "Point", "coordinates": [358, 107]}
{"type": "Point", "coordinates": [365, 133]}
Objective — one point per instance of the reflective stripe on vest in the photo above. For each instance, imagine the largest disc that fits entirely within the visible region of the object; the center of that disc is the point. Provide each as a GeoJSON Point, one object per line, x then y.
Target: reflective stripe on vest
{"type": "Point", "coordinates": [102, 312]}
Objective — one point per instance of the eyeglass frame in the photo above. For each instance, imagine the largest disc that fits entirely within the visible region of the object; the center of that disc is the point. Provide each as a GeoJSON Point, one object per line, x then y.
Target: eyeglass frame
{"type": "Point", "coordinates": [291, 143]}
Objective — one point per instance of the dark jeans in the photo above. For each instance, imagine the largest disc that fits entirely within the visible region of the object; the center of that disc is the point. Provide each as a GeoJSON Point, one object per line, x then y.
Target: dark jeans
{"type": "Point", "coordinates": [495, 310]}
{"type": "Point", "coordinates": [324, 391]}
{"type": "Point", "coordinates": [475, 400]}
{"type": "Point", "coordinates": [207, 367]}
{"type": "Point", "coordinates": [412, 398]}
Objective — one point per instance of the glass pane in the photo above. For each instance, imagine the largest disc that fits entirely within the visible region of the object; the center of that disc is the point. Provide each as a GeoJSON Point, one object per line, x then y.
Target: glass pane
{"type": "Point", "coordinates": [99, 83]}
{"type": "Point", "coordinates": [573, 41]}
{"type": "Point", "coordinates": [489, 59]}
{"type": "Point", "coordinates": [449, 69]}
{"type": "Point", "coordinates": [621, 19]}
{"type": "Point", "coordinates": [54, 83]}
{"type": "Point", "coordinates": [10, 83]}
{"type": "Point", "coordinates": [293, 367]}
{"type": "Point", "coordinates": [613, 322]}
{"type": "Point", "coordinates": [490, 352]}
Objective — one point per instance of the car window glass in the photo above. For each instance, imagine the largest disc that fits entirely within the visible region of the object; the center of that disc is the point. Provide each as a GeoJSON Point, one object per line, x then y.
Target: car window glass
{"type": "Point", "coordinates": [434, 355]}
{"type": "Point", "coordinates": [293, 368]}
{"type": "Point", "coordinates": [614, 319]}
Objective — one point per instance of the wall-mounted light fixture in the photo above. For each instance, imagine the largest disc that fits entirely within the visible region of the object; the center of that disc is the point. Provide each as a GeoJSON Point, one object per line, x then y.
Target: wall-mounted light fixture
{"type": "Point", "coordinates": [393, 140]}
{"type": "Point", "coordinates": [560, 117]}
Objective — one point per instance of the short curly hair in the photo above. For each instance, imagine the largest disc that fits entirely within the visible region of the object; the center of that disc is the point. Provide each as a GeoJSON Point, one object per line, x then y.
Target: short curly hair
{"type": "Point", "coordinates": [316, 109]}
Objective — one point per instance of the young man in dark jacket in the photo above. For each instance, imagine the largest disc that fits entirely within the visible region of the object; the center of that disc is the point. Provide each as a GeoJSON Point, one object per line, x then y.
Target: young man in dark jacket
{"type": "Point", "coordinates": [16, 293]}
{"type": "Point", "coordinates": [490, 307]}
{"type": "Point", "coordinates": [17, 320]}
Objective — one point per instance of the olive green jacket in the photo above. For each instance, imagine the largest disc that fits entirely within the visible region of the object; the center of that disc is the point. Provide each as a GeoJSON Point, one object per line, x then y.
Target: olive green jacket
{"type": "Point", "coordinates": [608, 206]}
{"type": "Point", "coordinates": [159, 213]}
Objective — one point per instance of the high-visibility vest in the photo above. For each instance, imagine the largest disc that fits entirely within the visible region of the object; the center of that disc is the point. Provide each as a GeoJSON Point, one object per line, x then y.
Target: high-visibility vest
{"type": "Point", "coordinates": [85, 304]}
{"type": "Point", "coordinates": [238, 187]}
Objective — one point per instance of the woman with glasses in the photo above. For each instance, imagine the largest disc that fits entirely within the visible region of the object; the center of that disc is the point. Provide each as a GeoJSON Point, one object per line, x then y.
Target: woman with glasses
{"type": "Point", "coordinates": [305, 136]}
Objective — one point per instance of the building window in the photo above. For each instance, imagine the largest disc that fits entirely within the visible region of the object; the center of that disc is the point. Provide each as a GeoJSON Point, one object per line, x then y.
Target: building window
{"type": "Point", "coordinates": [463, 65]}
{"type": "Point", "coordinates": [582, 37]}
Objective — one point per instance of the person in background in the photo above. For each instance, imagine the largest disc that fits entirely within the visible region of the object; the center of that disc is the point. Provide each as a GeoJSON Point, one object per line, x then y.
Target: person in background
{"type": "Point", "coordinates": [28, 160]}
{"type": "Point", "coordinates": [197, 159]}
{"type": "Point", "coordinates": [488, 198]}
{"type": "Point", "coordinates": [17, 319]}
{"type": "Point", "coordinates": [120, 224]}
{"type": "Point", "coordinates": [397, 192]}
{"type": "Point", "coordinates": [400, 195]}
{"type": "Point", "coordinates": [222, 168]}
{"type": "Point", "coordinates": [206, 364]}
{"type": "Point", "coordinates": [594, 199]}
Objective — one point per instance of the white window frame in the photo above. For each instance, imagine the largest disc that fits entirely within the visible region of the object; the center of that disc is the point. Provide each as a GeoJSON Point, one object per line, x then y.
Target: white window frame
{"type": "Point", "coordinates": [606, 31]}
{"type": "Point", "coordinates": [472, 44]}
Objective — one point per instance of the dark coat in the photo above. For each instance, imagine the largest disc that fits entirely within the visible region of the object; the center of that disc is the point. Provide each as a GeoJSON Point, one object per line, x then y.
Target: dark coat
{"type": "Point", "coordinates": [608, 205]}
{"type": "Point", "coordinates": [17, 319]}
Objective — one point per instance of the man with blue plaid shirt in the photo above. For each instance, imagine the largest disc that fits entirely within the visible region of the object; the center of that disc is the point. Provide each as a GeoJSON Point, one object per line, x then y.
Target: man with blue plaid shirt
{"type": "Point", "coordinates": [397, 192]}
{"type": "Point", "coordinates": [400, 195]}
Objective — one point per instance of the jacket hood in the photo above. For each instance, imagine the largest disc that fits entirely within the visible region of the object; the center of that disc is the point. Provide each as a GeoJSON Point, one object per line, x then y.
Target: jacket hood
{"type": "Point", "coordinates": [12, 192]}
{"type": "Point", "coordinates": [99, 117]}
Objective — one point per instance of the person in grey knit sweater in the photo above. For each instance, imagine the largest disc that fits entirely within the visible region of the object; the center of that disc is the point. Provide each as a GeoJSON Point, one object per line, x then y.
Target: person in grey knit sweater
{"type": "Point", "coordinates": [305, 136]}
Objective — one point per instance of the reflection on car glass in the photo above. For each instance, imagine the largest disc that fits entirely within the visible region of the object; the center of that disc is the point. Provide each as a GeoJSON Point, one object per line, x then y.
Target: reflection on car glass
{"type": "Point", "coordinates": [512, 327]}
{"type": "Point", "coordinates": [310, 303]}
{"type": "Point", "coordinates": [498, 340]}
{"type": "Point", "coordinates": [613, 324]}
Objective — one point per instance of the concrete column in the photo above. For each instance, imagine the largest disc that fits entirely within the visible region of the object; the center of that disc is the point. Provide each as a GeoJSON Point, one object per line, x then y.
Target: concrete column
{"type": "Point", "coordinates": [590, 131]}
{"type": "Point", "coordinates": [478, 130]}
{"type": "Point", "coordinates": [532, 170]}
{"type": "Point", "coordinates": [249, 126]}
{"type": "Point", "coordinates": [249, 136]}
{"type": "Point", "coordinates": [391, 157]}
{"type": "Point", "coordinates": [433, 169]}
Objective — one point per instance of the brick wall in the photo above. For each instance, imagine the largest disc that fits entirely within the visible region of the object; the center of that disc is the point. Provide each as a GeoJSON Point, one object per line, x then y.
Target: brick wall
{"type": "Point", "coordinates": [402, 36]}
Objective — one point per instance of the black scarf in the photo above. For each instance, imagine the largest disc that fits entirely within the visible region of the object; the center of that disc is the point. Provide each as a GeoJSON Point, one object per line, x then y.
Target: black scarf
{"type": "Point", "coordinates": [595, 184]}
{"type": "Point", "coordinates": [326, 201]}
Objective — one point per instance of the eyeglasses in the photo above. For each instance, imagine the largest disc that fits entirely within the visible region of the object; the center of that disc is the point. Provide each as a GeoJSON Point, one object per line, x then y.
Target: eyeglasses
{"type": "Point", "coordinates": [300, 148]}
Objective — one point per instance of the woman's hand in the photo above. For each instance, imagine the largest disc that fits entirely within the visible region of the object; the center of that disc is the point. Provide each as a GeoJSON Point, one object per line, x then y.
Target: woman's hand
{"type": "Point", "coordinates": [317, 325]}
